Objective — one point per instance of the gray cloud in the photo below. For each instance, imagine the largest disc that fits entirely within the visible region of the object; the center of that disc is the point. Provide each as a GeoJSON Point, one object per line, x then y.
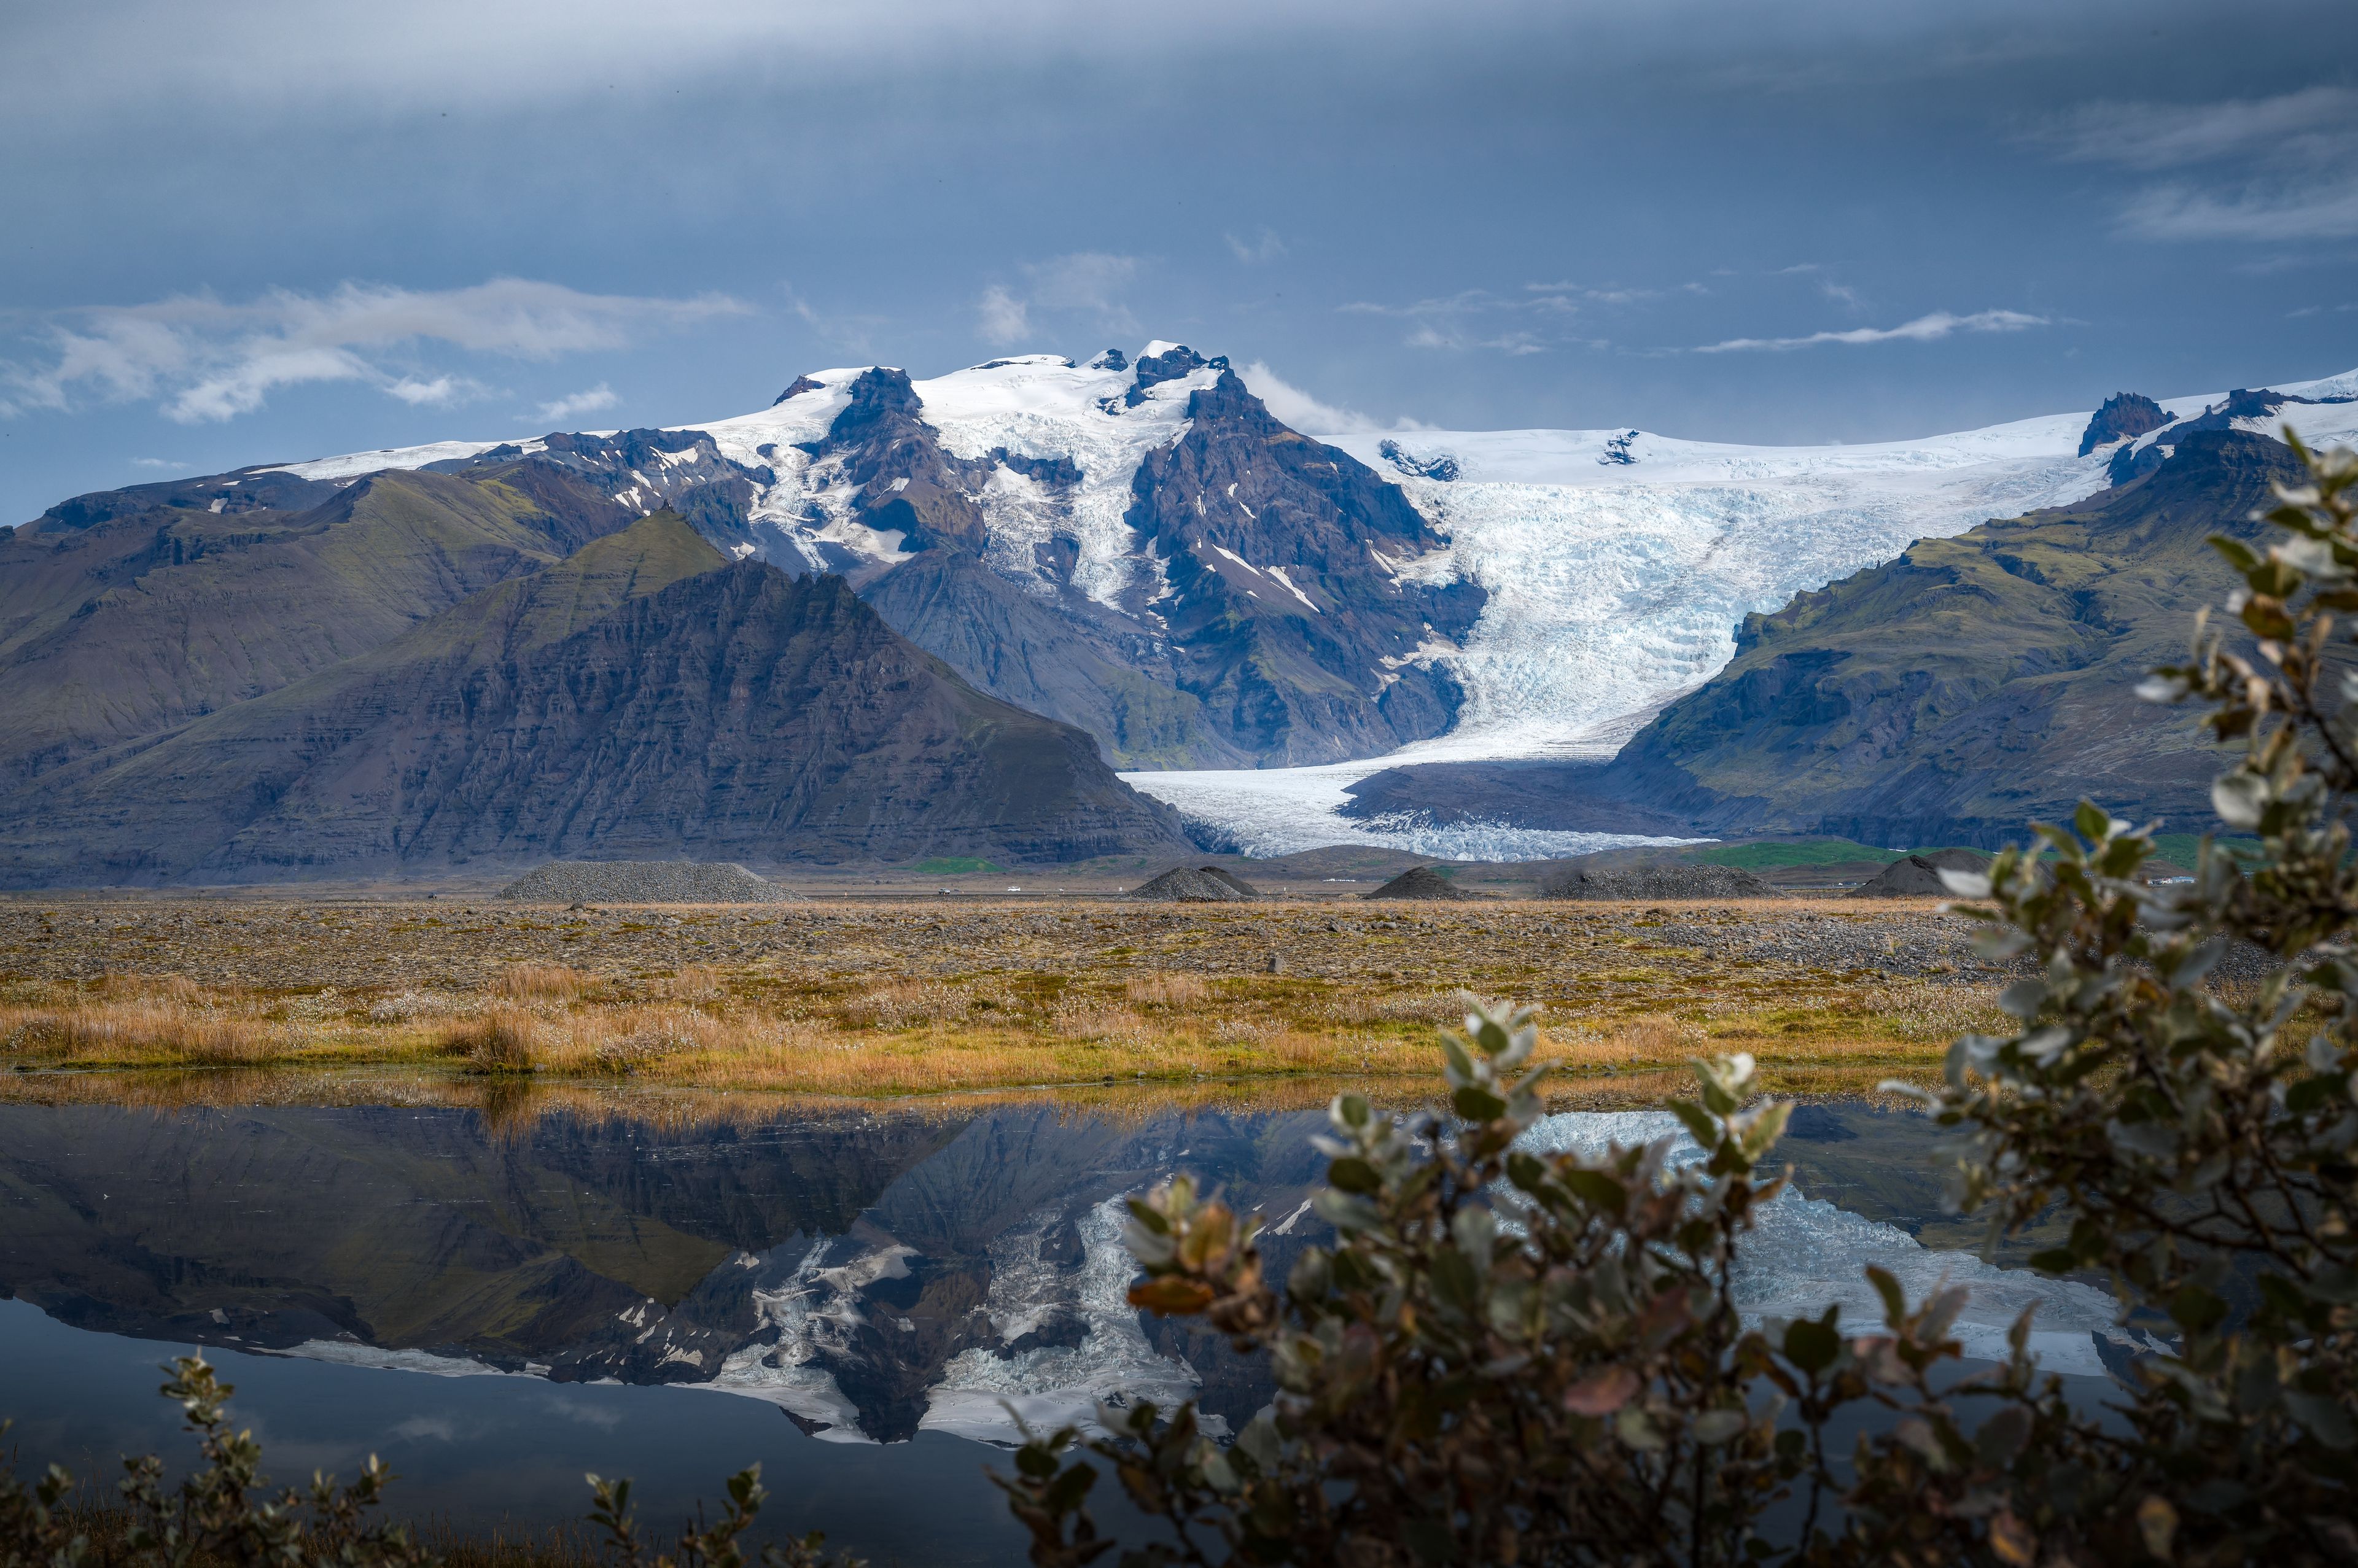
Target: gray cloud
{"type": "Point", "coordinates": [2269, 170]}
{"type": "Point", "coordinates": [205, 358]}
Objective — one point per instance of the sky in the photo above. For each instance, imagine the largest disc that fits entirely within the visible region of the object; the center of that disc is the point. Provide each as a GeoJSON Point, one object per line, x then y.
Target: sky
{"type": "Point", "coordinates": [267, 230]}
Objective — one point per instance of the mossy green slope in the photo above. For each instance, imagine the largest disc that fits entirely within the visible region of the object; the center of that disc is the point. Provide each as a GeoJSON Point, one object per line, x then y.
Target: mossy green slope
{"type": "Point", "coordinates": [142, 622]}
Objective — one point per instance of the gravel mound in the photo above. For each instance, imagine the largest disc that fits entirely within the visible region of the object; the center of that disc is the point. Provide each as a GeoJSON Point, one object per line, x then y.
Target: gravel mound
{"type": "Point", "coordinates": [1918, 876]}
{"type": "Point", "coordinates": [1422, 882]}
{"type": "Point", "coordinates": [1666, 881]}
{"type": "Point", "coordinates": [1195, 885]}
{"type": "Point", "coordinates": [644, 881]}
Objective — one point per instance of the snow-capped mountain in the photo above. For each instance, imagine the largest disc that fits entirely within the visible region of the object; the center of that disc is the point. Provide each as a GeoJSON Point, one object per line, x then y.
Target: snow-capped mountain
{"type": "Point", "coordinates": [1581, 576]}
{"type": "Point", "coordinates": [1140, 548]}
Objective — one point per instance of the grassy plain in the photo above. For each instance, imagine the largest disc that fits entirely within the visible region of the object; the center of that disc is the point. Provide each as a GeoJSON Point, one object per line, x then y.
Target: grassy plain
{"type": "Point", "coordinates": [897, 997]}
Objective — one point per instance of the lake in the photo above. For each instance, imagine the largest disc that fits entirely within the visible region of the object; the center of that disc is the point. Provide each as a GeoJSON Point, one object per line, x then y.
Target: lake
{"type": "Point", "coordinates": [499, 1296]}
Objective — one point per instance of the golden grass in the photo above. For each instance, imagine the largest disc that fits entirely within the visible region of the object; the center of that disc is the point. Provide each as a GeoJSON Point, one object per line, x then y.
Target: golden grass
{"type": "Point", "coordinates": [546, 983]}
{"type": "Point", "coordinates": [876, 1004]}
{"type": "Point", "coordinates": [925, 1036]}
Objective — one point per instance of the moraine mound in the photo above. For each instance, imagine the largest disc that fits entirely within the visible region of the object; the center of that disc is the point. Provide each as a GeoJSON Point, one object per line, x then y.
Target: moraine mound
{"type": "Point", "coordinates": [1195, 885]}
{"type": "Point", "coordinates": [1918, 876]}
{"type": "Point", "coordinates": [1664, 881]}
{"type": "Point", "coordinates": [1422, 882]}
{"type": "Point", "coordinates": [645, 881]}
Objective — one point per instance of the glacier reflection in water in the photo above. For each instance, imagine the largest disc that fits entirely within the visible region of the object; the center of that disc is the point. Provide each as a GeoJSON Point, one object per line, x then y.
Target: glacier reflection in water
{"type": "Point", "coordinates": [498, 1306]}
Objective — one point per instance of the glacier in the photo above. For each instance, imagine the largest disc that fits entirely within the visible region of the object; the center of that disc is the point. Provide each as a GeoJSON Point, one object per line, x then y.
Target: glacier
{"type": "Point", "coordinates": [1619, 562]}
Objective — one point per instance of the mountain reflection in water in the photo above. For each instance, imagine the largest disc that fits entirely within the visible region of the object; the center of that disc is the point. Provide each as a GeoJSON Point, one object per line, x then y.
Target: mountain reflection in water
{"type": "Point", "coordinates": [879, 1276]}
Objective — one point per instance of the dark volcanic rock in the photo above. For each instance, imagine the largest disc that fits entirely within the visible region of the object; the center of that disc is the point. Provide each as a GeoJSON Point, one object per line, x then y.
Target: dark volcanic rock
{"type": "Point", "coordinates": [1422, 882]}
{"type": "Point", "coordinates": [643, 700]}
{"type": "Point", "coordinates": [1195, 885]}
{"type": "Point", "coordinates": [2123, 414]}
{"type": "Point", "coordinates": [1168, 365]}
{"type": "Point", "coordinates": [1918, 876]}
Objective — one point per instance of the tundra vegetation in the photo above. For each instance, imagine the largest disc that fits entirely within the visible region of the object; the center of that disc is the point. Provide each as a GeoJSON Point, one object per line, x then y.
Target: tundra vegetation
{"type": "Point", "coordinates": [911, 997]}
{"type": "Point", "coordinates": [1507, 1356]}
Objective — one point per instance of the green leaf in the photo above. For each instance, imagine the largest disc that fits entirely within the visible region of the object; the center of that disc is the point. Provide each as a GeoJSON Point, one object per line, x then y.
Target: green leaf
{"type": "Point", "coordinates": [2324, 1418]}
{"type": "Point", "coordinates": [1454, 1283]}
{"type": "Point", "coordinates": [1476, 1104]}
{"type": "Point", "coordinates": [1766, 1129]}
{"type": "Point", "coordinates": [2090, 819]}
{"type": "Point", "coordinates": [1895, 1300]}
{"type": "Point", "coordinates": [1456, 1063]}
{"type": "Point", "coordinates": [2196, 1310]}
{"type": "Point", "coordinates": [1600, 1189]}
{"type": "Point", "coordinates": [1811, 1346]}
{"type": "Point", "coordinates": [1697, 1120]}
{"type": "Point", "coordinates": [1354, 1174]}
{"type": "Point", "coordinates": [2055, 1261]}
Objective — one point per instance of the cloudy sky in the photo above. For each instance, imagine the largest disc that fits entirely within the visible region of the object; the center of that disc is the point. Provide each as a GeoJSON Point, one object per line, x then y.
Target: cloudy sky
{"type": "Point", "coordinates": [264, 229]}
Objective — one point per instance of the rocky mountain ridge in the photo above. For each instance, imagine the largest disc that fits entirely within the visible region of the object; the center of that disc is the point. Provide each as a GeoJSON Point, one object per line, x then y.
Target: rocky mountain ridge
{"type": "Point", "coordinates": [644, 698]}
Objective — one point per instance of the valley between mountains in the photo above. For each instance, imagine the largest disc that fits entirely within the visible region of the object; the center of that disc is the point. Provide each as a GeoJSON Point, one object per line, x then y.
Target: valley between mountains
{"type": "Point", "coordinates": [1041, 612]}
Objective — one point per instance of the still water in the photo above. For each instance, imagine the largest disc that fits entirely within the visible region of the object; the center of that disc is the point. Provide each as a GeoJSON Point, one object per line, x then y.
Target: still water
{"type": "Point", "coordinates": [499, 1298]}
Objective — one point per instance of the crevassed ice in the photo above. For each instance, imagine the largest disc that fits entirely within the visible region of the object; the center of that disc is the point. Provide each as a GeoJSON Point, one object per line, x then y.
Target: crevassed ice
{"type": "Point", "coordinates": [811, 1313]}
{"type": "Point", "coordinates": [1040, 406]}
{"type": "Point", "coordinates": [981, 1394]}
{"type": "Point", "coordinates": [1804, 1255]}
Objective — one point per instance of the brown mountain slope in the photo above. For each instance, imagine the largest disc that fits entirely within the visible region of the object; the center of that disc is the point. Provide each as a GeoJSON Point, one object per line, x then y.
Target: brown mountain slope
{"type": "Point", "coordinates": [643, 699]}
{"type": "Point", "coordinates": [149, 615]}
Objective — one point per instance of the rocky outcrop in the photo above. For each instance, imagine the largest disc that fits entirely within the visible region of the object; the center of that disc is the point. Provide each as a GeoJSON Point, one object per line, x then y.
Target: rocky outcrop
{"type": "Point", "coordinates": [2125, 414]}
{"type": "Point", "coordinates": [1290, 614]}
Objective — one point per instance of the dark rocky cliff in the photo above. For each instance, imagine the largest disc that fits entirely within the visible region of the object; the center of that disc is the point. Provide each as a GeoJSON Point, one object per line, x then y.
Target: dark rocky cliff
{"type": "Point", "coordinates": [1293, 623]}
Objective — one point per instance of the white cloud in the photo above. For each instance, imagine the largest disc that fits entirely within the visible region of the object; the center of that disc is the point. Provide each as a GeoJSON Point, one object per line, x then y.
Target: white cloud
{"type": "Point", "coordinates": [1922, 329]}
{"type": "Point", "coordinates": [440, 393]}
{"type": "Point", "coordinates": [205, 358]}
{"type": "Point", "coordinates": [589, 402]}
{"type": "Point", "coordinates": [1268, 247]}
{"type": "Point", "coordinates": [1298, 408]}
{"type": "Point", "coordinates": [2265, 170]}
{"type": "Point", "coordinates": [1087, 284]}
{"type": "Point", "coordinates": [158, 463]}
{"type": "Point", "coordinates": [1004, 322]}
